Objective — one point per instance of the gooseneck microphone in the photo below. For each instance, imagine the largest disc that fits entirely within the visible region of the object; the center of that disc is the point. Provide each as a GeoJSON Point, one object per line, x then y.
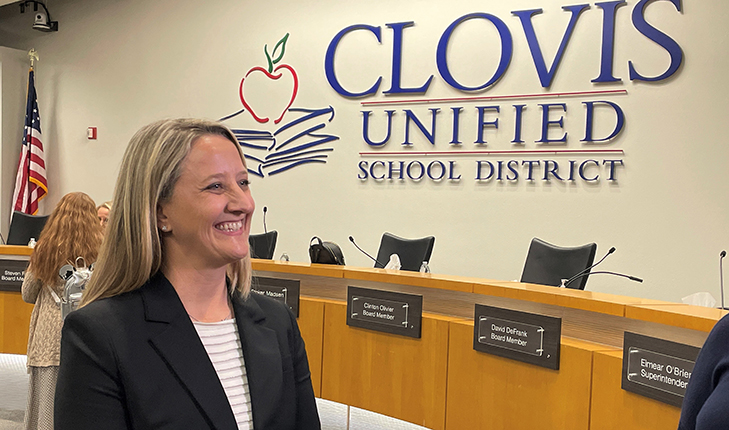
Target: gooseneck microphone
{"type": "Point", "coordinates": [566, 282]}
{"type": "Point", "coordinates": [265, 209]}
{"type": "Point", "coordinates": [351, 239]}
{"type": "Point", "coordinates": [721, 275]}
{"type": "Point", "coordinates": [605, 272]}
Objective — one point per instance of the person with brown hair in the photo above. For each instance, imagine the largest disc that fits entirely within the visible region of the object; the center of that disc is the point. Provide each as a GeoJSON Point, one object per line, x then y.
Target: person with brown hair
{"type": "Point", "coordinates": [169, 335]}
{"type": "Point", "coordinates": [72, 231]}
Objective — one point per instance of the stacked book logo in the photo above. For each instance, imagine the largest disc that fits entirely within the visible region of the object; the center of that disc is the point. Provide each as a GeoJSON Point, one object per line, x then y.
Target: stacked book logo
{"type": "Point", "coordinates": [290, 136]}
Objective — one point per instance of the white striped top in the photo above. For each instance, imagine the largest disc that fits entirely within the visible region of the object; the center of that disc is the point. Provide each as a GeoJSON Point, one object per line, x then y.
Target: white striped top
{"type": "Point", "coordinates": [222, 343]}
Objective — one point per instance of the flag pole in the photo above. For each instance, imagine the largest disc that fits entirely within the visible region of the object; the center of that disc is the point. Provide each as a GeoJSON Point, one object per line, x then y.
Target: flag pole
{"type": "Point", "coordinates": [33, 57]}
{"type": "Point", "coordinates": [31, 185]}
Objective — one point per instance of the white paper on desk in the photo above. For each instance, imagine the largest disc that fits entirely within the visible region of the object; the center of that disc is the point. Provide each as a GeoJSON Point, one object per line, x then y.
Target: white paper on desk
{"type": "Point", "coordinates": [394, 263]}
{"type": "Point", "coordinates": [700, 299]}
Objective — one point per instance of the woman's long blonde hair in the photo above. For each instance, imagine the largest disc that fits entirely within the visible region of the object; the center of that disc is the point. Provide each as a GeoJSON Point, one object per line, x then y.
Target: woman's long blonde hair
{"type": "Point", "coordinates": [71, 231]}
{"type": "Point", "coordinates": [132, 250]}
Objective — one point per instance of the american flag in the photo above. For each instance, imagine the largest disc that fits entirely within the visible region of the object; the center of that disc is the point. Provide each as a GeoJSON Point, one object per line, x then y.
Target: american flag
{"type": "Point", "coordinates": [30, 183]}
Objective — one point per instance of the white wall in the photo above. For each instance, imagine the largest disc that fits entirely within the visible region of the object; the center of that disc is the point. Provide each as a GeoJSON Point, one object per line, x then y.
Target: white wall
{"type": "Point", "coordinates": [13, 70]}
{"type": "Point", "coordinates": [118, 65]}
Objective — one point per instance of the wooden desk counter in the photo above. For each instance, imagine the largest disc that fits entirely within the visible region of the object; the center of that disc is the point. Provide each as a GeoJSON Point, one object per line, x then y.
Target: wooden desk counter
{"type": "Point", "coordinates": [428, 280]}
{"type": "Point", "coordinates": [603, 303]}
{"type": "Point", "coordinates": [439, 380]}
{"type": "Point", "coordinates": [677, 315]}
{"type": "Point", "coordinates": [327, 270]}
{"type": "Point", "coordinates": [14, 312]}
{"type": "Point", "coordinates": [15, 320]}
{"type": "Point", "coordinates": [587, 315]}
{"type": "Point", "coordinates": [393, 375]}
{"type": "Point", "coordinates": [311, 325]}
{"type": "Point", "coordinates": [641, 309]}
{"type": "Point", "coordinates": [15, 250]}
{"type": "Point", "coordinates": [410, 379]}
{"type": "Point", "coordinates": [613, 408]}
{"type": "Point", "coordinates": [490, 392]}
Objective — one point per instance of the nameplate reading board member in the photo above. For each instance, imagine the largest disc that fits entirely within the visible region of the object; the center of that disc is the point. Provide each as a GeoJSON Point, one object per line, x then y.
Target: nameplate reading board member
{"type": "Point", "coordinates": [168, 336]}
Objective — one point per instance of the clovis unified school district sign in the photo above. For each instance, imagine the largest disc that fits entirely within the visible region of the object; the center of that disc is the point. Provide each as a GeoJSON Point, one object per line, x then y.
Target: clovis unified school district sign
{"type": "Point", "coordinates": [439, 124]}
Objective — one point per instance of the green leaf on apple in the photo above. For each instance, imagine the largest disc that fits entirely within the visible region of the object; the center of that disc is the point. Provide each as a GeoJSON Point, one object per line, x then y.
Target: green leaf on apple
{"type": "Point", "coordinates": [282, 45]}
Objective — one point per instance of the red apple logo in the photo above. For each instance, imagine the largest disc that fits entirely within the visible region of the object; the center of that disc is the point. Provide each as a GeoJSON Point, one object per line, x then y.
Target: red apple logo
{"type": "Point", "coordinates": [266, 86]}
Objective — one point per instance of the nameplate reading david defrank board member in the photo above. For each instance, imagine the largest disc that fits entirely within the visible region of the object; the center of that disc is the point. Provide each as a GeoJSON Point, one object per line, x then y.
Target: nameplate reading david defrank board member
{"type": "Point", "coordinates": [521, 336]}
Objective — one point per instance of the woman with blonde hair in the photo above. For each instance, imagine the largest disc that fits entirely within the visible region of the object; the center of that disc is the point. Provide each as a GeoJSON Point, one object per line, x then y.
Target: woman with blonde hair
{"type": "Point", "coordinates": [168, 335]}
{"type": "Point", "coordinates": [71, 231]}
{"type": "Point", "coordinates": [103, 211]}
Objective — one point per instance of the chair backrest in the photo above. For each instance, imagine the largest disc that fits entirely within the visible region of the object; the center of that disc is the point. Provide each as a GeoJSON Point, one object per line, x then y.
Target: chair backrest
{"type": "Point", "coordinates": [548, 264]}
{"type": "Point", "coordinates": [23, 227]}
{"type": "Point", "coordinates": [412, 252]}
{"type": "Point", "coordinates": [263, 245]}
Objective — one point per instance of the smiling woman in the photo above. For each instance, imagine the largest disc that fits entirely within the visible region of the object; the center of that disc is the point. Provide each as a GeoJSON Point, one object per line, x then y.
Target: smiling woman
{"type": "Point", "coordinates": [206, 220]}
{"type": "Point", "coordinates": [169, 335]}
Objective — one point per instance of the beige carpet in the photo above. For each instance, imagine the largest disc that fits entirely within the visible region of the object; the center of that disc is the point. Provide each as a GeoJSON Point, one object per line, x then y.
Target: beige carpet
{"type": "Point", "coordinates": [14, 391]}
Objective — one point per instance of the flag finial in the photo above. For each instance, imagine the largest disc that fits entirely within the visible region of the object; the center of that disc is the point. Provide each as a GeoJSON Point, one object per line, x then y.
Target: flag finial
{"type": "Point", "coordinates": [33, 56]}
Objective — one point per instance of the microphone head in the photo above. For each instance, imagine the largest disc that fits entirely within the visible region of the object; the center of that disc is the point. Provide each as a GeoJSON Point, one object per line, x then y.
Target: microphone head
{"type": "Point", "coordinates": [351, 239]}
{"type": "Point", "coordinates": [722, 254]}
{"type": "Point", "coordinates": [265, 209]}
{"type": "Point", "coordinates": [611, 250]}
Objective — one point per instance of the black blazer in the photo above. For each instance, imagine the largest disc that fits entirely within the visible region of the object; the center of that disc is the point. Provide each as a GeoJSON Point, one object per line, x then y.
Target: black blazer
{"type": "Point", "coordinates": [135, 361]}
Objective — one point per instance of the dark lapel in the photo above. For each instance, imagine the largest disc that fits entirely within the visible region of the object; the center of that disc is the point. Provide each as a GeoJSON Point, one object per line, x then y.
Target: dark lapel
{"type": "Point", "coordinates": [263, 359]}
{"type": "Point", "coordinates": [179, 345]}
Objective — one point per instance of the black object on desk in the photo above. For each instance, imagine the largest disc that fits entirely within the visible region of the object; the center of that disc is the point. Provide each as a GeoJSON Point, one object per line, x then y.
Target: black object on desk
{"type": "Point", "coordinates": [263, 245]}
{"type": "Point", "coordinates": [548, 264]}
{"type": "Point", "coordinates": [412, 252]}
{"type": "Point", "coordinates": [24, 226]}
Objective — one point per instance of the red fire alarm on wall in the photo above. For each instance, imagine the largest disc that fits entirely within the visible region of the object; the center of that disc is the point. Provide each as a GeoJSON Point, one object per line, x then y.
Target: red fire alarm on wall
{"type": "Point", "coordinates": [91, 133]}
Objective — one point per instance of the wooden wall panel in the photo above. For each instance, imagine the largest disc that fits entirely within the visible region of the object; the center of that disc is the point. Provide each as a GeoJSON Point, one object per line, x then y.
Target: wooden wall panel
{"type": "Point", "coordinates": [15, 320]}
{"type": "Point", "coordinates": [311, 324]}
{"type": "Point", "coordinates": [596, 325]}
{"type": "Point", "coordinates": [2, 320]}
{"type": "Point", "coordinates": [393, 375]}
{"type": "Point", "coordinates": [490, 392]}
{"type": "Point", "coordinates": [439, 381]}
{"type": "Point", "coordinates": [616, 409]}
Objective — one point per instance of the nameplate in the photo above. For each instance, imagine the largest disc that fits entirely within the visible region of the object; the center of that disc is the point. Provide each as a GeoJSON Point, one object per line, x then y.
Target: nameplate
{"type": "Point", "coordinates": [656, 368]}
{"type": "Point", "coordinates": [283, 290]}
{"type": "Point", "coordinates": [521, 336]}
{"type": "Point", "coordinates": [385, 311]}
{"type": "Point", "coordinates": [12, 273]}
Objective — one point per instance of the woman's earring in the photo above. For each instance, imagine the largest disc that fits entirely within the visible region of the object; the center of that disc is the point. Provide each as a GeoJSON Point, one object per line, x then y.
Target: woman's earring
{"type": "Point", "coordinates": [163, 228]}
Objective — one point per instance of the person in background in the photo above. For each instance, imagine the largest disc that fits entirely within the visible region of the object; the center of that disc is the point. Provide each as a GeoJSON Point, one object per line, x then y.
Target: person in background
{"type": "Point", "coordinates": [72, 231]}
{"type": "Point", "coordinates": [706, 403]}
{"type": "Point", "coordinates": [168, 335]}
{"type": "Point", "coordinates": [103, 212]}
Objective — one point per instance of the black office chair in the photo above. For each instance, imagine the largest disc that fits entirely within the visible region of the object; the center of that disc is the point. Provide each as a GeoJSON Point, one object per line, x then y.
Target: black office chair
{"type": "Point", "coordinates": [23, 227]}
{"type": "Point", "coordinates": [412, 252]}
{"type": "Point", "coordinates": [548, 264]}
{"type": "Point", "coordinates": [263, 245]}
